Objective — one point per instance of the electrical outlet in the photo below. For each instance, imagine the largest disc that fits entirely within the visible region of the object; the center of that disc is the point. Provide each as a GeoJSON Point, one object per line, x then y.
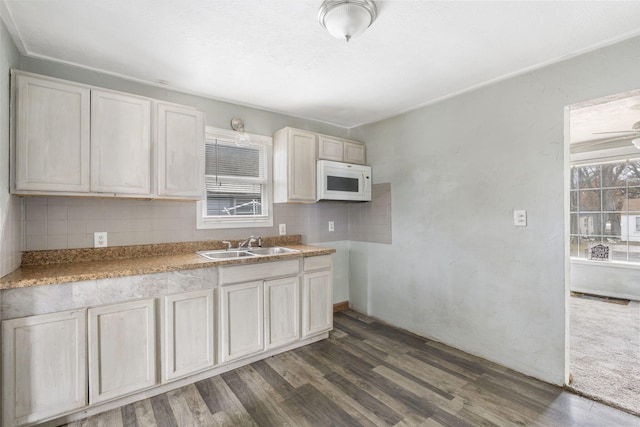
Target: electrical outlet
{"type": "Point", "coordinates": [331, 226]}
{"type": "Point", "coordinates": [282, 229]}
{"type": "Point", "coordinates": [100, 239]}
{"type": "Point", "coordinates": [520, 218]}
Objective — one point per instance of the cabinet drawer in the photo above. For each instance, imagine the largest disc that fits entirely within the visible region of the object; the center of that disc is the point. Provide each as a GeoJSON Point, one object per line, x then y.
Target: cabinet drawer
{"type": "Point", "coordinates": [317, 262]}
{"type": "Point", "coordinates": [267, 270]}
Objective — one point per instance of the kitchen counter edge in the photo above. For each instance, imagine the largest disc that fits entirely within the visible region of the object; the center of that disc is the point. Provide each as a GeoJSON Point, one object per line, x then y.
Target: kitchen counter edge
{"type": "Point", "coordinates": [52, 274]}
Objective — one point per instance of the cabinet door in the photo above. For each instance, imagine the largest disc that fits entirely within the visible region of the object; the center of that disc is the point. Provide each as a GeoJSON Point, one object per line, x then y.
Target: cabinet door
{"type": "Point", "coordinates": [180, 144]}
{"type": "Point", "coordinates": [187, 334]}
{"type": "Point", "coordinates": [317, 300]}
{"type": "Point", "coordinates": [354, 153]}
{"type": "Point", "coordinates": [121, 349]}
{"type": "Point", "coordinates": [302, 166]}
{"type": "Point", "coordinates": [52, 136]}
{"type": "Point", "coordinates": [44, 366]}
{"type": "Point", "coordinates": [282, 311]}
{"type": "Point", "coordinates": [242, 321]}
{"type": "Point", "coordinates": [120, 143]}
{"type": "Point", "coordinates": [330, 148]}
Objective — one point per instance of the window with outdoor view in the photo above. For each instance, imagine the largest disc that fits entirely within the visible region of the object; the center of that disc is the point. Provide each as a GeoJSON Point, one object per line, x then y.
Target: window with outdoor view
{"type": "Point", "coordinates": [237, 180]}
{"type": "Point", "coordinates": [605, 209]}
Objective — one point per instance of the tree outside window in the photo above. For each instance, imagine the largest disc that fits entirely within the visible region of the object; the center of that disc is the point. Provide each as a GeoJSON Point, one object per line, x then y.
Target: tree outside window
{"type": "Point", "coordinates": [605, 208]}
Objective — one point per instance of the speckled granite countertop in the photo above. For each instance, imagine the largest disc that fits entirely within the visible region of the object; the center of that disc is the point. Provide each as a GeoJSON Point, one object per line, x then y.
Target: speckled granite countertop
{"type": "Point", "coordinates": [74, 265]}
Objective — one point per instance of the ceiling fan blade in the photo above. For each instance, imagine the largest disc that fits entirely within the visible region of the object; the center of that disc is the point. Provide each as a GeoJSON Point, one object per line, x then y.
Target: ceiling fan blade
{"type": "Point", "coordinates": [616, 131]}
{"type": "Point", "coordinates": [586, 144]}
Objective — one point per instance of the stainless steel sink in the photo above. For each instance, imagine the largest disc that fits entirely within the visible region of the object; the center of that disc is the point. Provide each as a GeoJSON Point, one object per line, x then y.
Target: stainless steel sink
{"type": "Point", "coordinates": [248, 252]}
{"type": "Point", "coordinates": [224, 254]}
{"type": "Point", "coordinates": [276, 250]}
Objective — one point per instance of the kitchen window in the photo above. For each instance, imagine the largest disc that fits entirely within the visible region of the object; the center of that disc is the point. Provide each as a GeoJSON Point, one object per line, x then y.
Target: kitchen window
{"type": "Point", "coordinates": [237, 181]}
{"type": "Point", "coordinates": [605, 209]}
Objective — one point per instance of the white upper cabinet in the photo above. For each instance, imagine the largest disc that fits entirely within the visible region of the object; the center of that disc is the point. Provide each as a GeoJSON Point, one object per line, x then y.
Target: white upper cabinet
{"type": "Point", "coordinates": [354, 152]}
{"type": "Point", "coordinates": [180, 158]}
{"type": "Point", "coordinates": [295, 153]}
{"type": "Point", "coordinates": [330, 148]}
{"type": "Point", "coordinates": [294, 166]}
{"type": "Point", "coordinates": [120, 143]}
{"type": "Point", "coordinates": [76, 140]}
{"type": "Point", "coordinates": [341, 150]}
{"type": "Point", "coordinates": [51, 132]}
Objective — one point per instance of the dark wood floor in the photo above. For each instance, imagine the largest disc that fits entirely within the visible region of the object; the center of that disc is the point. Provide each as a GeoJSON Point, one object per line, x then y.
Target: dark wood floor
{"type": "Point", "coordinates": [367, 374]}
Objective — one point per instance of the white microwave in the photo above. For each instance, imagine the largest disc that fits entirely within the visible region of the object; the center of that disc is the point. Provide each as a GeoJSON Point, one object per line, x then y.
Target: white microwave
{"type": "Point", "coordinates": [343, 181]}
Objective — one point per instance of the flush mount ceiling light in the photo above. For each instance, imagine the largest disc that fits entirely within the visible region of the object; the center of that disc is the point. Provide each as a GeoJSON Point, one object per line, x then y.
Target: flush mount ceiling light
{"type": "Point", "coordinates": [344, 19]}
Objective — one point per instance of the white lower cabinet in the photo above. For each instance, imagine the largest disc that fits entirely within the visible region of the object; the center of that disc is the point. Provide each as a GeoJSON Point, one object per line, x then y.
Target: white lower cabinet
{"type": "Point", "coordinates": [241, 320]}
{"type": "Point", "coordinates": [56, 364]}
{"type": "Point", "coordinates": [282, 311]}
{"type": "Point", "coordinates": [122, 349]}
{"type": "Point", "coordinates": [187, 334]}
{"type": "Point", "coordinates": [44, 366]}
{"type": "Point", "coordinates": [317, 296]}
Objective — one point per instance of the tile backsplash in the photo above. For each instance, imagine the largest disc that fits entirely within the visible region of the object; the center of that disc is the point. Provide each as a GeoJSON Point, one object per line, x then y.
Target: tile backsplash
{"type": "Point", "coordinates": [371, 222]}
{"type": "Point", "coordinates": [11, 237]}
{"type": "Point", "coordinates": [69, 222]}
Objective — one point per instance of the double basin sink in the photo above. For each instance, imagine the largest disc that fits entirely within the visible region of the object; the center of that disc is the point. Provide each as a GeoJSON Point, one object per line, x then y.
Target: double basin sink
{"type": "Point", "coordinates": [244, 253]}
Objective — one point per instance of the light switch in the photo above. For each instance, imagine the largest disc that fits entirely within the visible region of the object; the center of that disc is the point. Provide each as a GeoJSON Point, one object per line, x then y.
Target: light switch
{"type": "Point", "coordinates": [331, 226]}
{"type": "Point", "coordinates": [520, 217]}
{"type": "Point", "coordinates": [282, 229]}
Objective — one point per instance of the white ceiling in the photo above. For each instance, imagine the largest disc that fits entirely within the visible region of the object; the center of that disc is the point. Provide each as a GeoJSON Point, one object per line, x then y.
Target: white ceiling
{"type": "Point", "coordinates": [605, 120]}
{"type": "Point", "coordinates": [274, 55]}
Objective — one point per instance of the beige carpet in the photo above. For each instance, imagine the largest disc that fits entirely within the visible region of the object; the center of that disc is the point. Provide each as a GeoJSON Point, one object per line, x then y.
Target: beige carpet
{"type": "Point", "coordinates": [605, 351]}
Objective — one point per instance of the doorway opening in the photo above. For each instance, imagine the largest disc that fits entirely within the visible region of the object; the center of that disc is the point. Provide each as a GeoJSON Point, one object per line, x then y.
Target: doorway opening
{"type": "Point", "coordinates": [604, 247]}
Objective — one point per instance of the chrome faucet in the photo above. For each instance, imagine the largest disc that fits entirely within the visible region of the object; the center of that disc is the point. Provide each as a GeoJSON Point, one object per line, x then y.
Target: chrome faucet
{"type": "Point", "coordinates": [226, 242]}
{"type": "Point", "coordinates": [247, 242]}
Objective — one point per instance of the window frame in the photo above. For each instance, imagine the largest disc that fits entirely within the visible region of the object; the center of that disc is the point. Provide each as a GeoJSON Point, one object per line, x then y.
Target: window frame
{"type": "Point", "coordinates": [600, 161]}
{"type": "Point", "coordinates": [239, 221]}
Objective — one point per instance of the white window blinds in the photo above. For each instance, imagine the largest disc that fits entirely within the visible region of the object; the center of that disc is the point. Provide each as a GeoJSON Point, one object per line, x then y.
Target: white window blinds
{"type": "Point", "coordinates": [236, 178]}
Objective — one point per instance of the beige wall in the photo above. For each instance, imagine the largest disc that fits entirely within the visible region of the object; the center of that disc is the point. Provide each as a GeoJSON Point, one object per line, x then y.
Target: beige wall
{"type": "Point", "coordinates": [458, 270]}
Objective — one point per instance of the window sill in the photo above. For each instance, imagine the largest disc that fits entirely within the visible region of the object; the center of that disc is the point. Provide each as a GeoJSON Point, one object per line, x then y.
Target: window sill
{"type": "Point", "coordinates": [612, 264]}
{"type": "Point", "coordinates": [241, 223]}
{"type": "Point", "coordinates": [233, 221]}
